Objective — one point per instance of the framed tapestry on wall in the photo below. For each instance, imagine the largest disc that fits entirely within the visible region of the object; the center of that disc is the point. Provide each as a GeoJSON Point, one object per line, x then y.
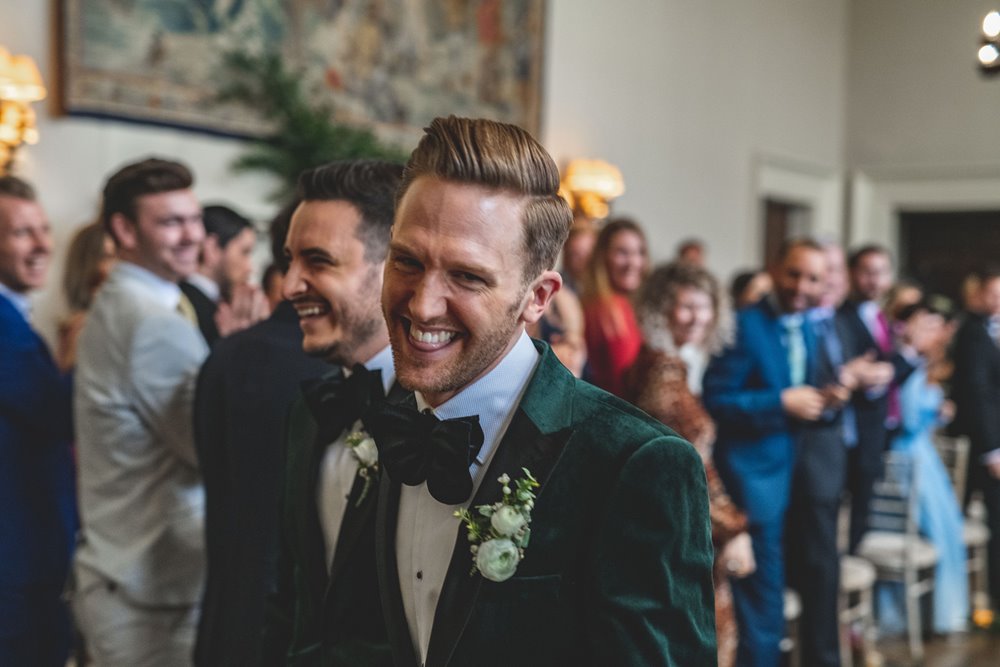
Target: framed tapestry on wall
{"type": "Point", "coordinates": [391, 65]}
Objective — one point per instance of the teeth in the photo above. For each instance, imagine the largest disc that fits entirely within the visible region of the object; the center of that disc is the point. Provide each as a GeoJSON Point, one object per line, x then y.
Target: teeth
{"type": "Point", "coordinates": [309, 311]}
{"type": "Point", "coordinates": [432, 337]}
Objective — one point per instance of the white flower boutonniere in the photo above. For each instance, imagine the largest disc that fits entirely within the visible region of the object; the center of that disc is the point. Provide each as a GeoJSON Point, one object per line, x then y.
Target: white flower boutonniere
{"type": "Point", "coordinates": [499, 532]}
{"type": "Point", "coordinates": [365, 452]}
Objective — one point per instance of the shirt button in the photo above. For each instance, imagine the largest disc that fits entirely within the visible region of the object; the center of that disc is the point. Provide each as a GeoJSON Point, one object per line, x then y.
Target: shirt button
{"type": "Point", "coordinates": [420, 574]}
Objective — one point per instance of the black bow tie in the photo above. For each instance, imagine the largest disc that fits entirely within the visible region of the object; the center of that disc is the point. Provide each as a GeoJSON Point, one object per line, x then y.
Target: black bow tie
{"type": "Point", "coordinates": [415, 447]}
{"type": "Point", "coordinates": [336, 402]}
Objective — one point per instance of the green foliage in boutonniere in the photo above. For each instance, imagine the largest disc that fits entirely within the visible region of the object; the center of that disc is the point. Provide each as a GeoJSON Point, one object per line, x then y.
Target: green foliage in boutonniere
{"type": "Point", "coordinates": [365, 452]}
{"type": "Point", "coordinates": [499, 533]}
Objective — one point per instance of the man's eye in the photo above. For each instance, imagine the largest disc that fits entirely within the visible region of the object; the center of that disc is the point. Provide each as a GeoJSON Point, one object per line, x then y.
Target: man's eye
{"type": "Point", "coordinates": [465, 276]}
{"type": "Point", "coordinates": [406, 263]}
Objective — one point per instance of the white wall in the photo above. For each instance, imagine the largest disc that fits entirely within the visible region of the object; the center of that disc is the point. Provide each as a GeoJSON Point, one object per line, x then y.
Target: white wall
{"type": "Point", "coordinates": [922, 120]}
{"type": "Point", "coordinates": [688, 97]}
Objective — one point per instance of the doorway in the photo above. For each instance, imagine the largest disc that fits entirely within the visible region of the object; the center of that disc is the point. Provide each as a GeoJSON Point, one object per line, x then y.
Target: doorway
{"type": "Point", "coordinates": [783, 220]}
{"type": "Point", "coordinates": [940, 248]}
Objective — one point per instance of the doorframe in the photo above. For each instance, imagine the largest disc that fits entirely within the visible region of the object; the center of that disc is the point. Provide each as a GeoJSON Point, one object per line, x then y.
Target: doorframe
{"type": "Point", "coordinates": [818, 187]}
{"type": "Point", "coordinates": [878, 195]}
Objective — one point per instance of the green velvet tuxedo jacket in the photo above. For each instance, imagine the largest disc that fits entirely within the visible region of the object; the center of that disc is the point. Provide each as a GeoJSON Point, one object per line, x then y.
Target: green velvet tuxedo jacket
{"type": "Point", "coordinates": [618, 570]}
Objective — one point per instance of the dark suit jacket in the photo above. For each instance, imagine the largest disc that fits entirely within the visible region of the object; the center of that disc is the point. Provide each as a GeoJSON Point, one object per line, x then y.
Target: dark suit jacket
{"type": "Point", "coordinates": [869, 412]}
{"type": "Point", "coordinates": [755, 448]}
{"type": "Point", "coordinates": [821, 465]}
{"type": "Point", "coordinates": [324, 614]}
{"type": "Point", "coordinates": [976, 386]}
{"type": "Point", "coordinates": [205, 309]}
{"type": "Point", "coordinates": [618, 570]}
{"type": "Point", "coordinates": [37, 489]}
{"type": "Point", "coordinates": [241, 402]}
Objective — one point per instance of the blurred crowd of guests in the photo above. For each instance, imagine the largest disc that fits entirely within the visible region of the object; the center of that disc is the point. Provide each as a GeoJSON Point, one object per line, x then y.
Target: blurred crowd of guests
{"type": "Point", "coordinates": [791, 384]}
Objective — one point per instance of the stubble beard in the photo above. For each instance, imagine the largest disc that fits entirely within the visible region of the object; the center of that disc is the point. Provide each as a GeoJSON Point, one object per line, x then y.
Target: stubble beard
{"type": "Point", "coordinates": [455, 374]}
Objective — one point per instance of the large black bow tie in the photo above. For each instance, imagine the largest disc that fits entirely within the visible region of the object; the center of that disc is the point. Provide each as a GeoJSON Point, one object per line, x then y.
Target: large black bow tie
{"type": "Point", "coordinates": [336, 401]}
{"type": "Point", "coordinates": [416, 446]}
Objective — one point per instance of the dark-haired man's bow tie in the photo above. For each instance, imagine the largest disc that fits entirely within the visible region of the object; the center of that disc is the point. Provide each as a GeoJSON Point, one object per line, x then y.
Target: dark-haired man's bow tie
{"type": "Point", "coordinates": [337, 401]}
{"type": "Point", "coordinates": [415, 447]}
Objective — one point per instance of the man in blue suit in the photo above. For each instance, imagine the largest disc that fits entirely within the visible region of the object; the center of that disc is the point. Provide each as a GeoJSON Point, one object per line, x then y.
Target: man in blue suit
{"type": "Point", "coordinates": [759, 393]}
{"type": "Point", "coordinates": [36, 470]}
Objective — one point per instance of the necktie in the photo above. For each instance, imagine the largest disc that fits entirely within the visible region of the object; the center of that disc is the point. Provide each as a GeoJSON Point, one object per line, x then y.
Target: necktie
{"type": "Point", "coordinates": [796, 345]}
{"type": "Point", "coordinates": [186, 309]}
{"type": "Point", "coordinates": [336, 401]}
{"type": "Point", "coordinates": [415, 447]}
{"type": "Point", "coordinates": [883, 337]}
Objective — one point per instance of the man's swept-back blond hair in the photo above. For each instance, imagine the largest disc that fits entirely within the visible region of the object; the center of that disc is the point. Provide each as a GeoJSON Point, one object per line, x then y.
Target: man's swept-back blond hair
{"type": "Point", "coordinates": [505, 157]}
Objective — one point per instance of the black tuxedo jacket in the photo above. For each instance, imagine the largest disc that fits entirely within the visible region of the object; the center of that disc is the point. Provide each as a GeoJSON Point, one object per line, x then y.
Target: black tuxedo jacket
{"type": "Point", "coordinates": [242, 398]}
{"type": "Point", "coordinates": [618, 570]}
{"type": "Point", "coordinates": [205, 309]}
{"type": "Point", "coordinates": [324, 614]}
{"type": "Point", "coordinates": [976, 386]}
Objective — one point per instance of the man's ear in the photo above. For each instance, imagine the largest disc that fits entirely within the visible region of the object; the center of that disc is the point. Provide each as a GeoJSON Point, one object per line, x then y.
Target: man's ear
{"type": "Point", "coordinates": [539, 295]}
{"type": "Point", "coordinates": [124, 231]}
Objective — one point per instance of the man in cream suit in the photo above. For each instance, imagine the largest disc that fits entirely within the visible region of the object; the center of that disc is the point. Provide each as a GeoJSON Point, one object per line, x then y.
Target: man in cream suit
{"type": "Point", "coordinates": [140, 565]}
{"type": "Point", "coordinates": [618, 568]}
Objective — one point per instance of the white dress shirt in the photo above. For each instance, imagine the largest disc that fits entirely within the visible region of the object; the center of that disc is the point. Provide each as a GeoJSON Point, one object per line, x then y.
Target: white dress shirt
{"type": "Point", "coordinates": [20, 301]}
{"type": "Point", "coordinates": [427, 529]}
{"type": "Point", "coordinates": [339, 467]}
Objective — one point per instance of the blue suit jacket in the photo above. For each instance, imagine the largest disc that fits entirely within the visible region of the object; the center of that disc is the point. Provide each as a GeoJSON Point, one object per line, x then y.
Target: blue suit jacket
{"type": "Point", "coordinates": [755, 446]}
{"type": "Point", "coordinates": [37, 493]}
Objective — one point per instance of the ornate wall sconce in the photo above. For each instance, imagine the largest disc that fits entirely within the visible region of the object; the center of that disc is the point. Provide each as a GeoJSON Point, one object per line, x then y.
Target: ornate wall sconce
{"type": "Point", "coordinates": [589, 185]}
{"type": "Point", "coordinates": [20, 85]}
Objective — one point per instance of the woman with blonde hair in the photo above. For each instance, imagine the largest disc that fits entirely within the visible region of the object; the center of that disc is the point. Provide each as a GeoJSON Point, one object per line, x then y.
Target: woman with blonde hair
{"type": "Point", "coordinates": [684, 320]}
{"type": "Point", "coordinates": [89, 259]}
{"type": "Point", "coordinates": [614, 273]}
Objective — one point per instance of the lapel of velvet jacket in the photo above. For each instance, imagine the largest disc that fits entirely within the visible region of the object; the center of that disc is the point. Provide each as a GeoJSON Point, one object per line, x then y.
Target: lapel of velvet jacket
{"type": "Point", "coordinates": [356, 518]}
{"type": "Point", "coordinates": [534, 440]}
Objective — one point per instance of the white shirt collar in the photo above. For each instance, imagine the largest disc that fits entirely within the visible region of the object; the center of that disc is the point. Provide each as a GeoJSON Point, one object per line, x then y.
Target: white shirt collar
{"type": "Point", "coordinates": [164, 291]}
{"type": "Point", "coordinates": [494, 397]}
{"type": "Point", "coordinates": [20, 300]}
{"type": "Point", "coordinates": [208, 287]}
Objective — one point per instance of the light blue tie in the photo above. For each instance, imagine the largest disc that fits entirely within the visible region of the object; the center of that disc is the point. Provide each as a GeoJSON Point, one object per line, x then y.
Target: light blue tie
{"type": "Point", "coordinates": [796, 344]}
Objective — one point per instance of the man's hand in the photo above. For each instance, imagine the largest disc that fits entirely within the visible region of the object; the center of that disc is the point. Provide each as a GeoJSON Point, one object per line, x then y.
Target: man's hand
{"type": "Point", "coordinates": [246, 306]}
{"type": "Point", "coordinates": [835, 395]}
{"type": "Point", "coordinates": [865, 373]}
{"type": "Point", "coordinates": [803, 402]}
{"type": "Point", "coordinates": [737, 556]}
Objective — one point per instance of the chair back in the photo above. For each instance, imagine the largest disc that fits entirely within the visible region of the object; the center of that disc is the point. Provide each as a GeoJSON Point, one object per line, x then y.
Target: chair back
{"type": "Point", "coordinates": [894, 507]}
{"type": "Point", "coordinates": [954, 454]}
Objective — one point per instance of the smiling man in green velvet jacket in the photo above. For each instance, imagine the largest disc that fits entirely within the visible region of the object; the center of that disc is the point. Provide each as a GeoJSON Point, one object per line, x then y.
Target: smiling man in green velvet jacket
{"type": "Point", "coordinates": [617, 570]}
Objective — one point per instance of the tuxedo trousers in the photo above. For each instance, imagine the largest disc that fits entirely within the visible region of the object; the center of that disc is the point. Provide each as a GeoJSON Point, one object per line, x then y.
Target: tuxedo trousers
{"type": "Point", "coordinates": [120, 633]}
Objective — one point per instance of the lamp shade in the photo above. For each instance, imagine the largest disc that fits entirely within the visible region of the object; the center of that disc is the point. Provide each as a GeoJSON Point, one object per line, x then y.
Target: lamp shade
{"type": "Point", "coordinates": [595, 177]}
{"type": "Point", "coordinates": [20, 80]}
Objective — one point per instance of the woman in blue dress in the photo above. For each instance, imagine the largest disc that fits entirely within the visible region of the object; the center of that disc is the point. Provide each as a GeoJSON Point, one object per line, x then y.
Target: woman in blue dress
{"type": "Point", "coordinates": [923, 409]}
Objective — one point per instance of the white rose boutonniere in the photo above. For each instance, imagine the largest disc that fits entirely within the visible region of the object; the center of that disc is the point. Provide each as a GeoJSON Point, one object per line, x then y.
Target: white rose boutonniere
{"type": "Point", "coordinates": [365, 452]}
{"type": "Point", "coordinates": [499, 533]}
